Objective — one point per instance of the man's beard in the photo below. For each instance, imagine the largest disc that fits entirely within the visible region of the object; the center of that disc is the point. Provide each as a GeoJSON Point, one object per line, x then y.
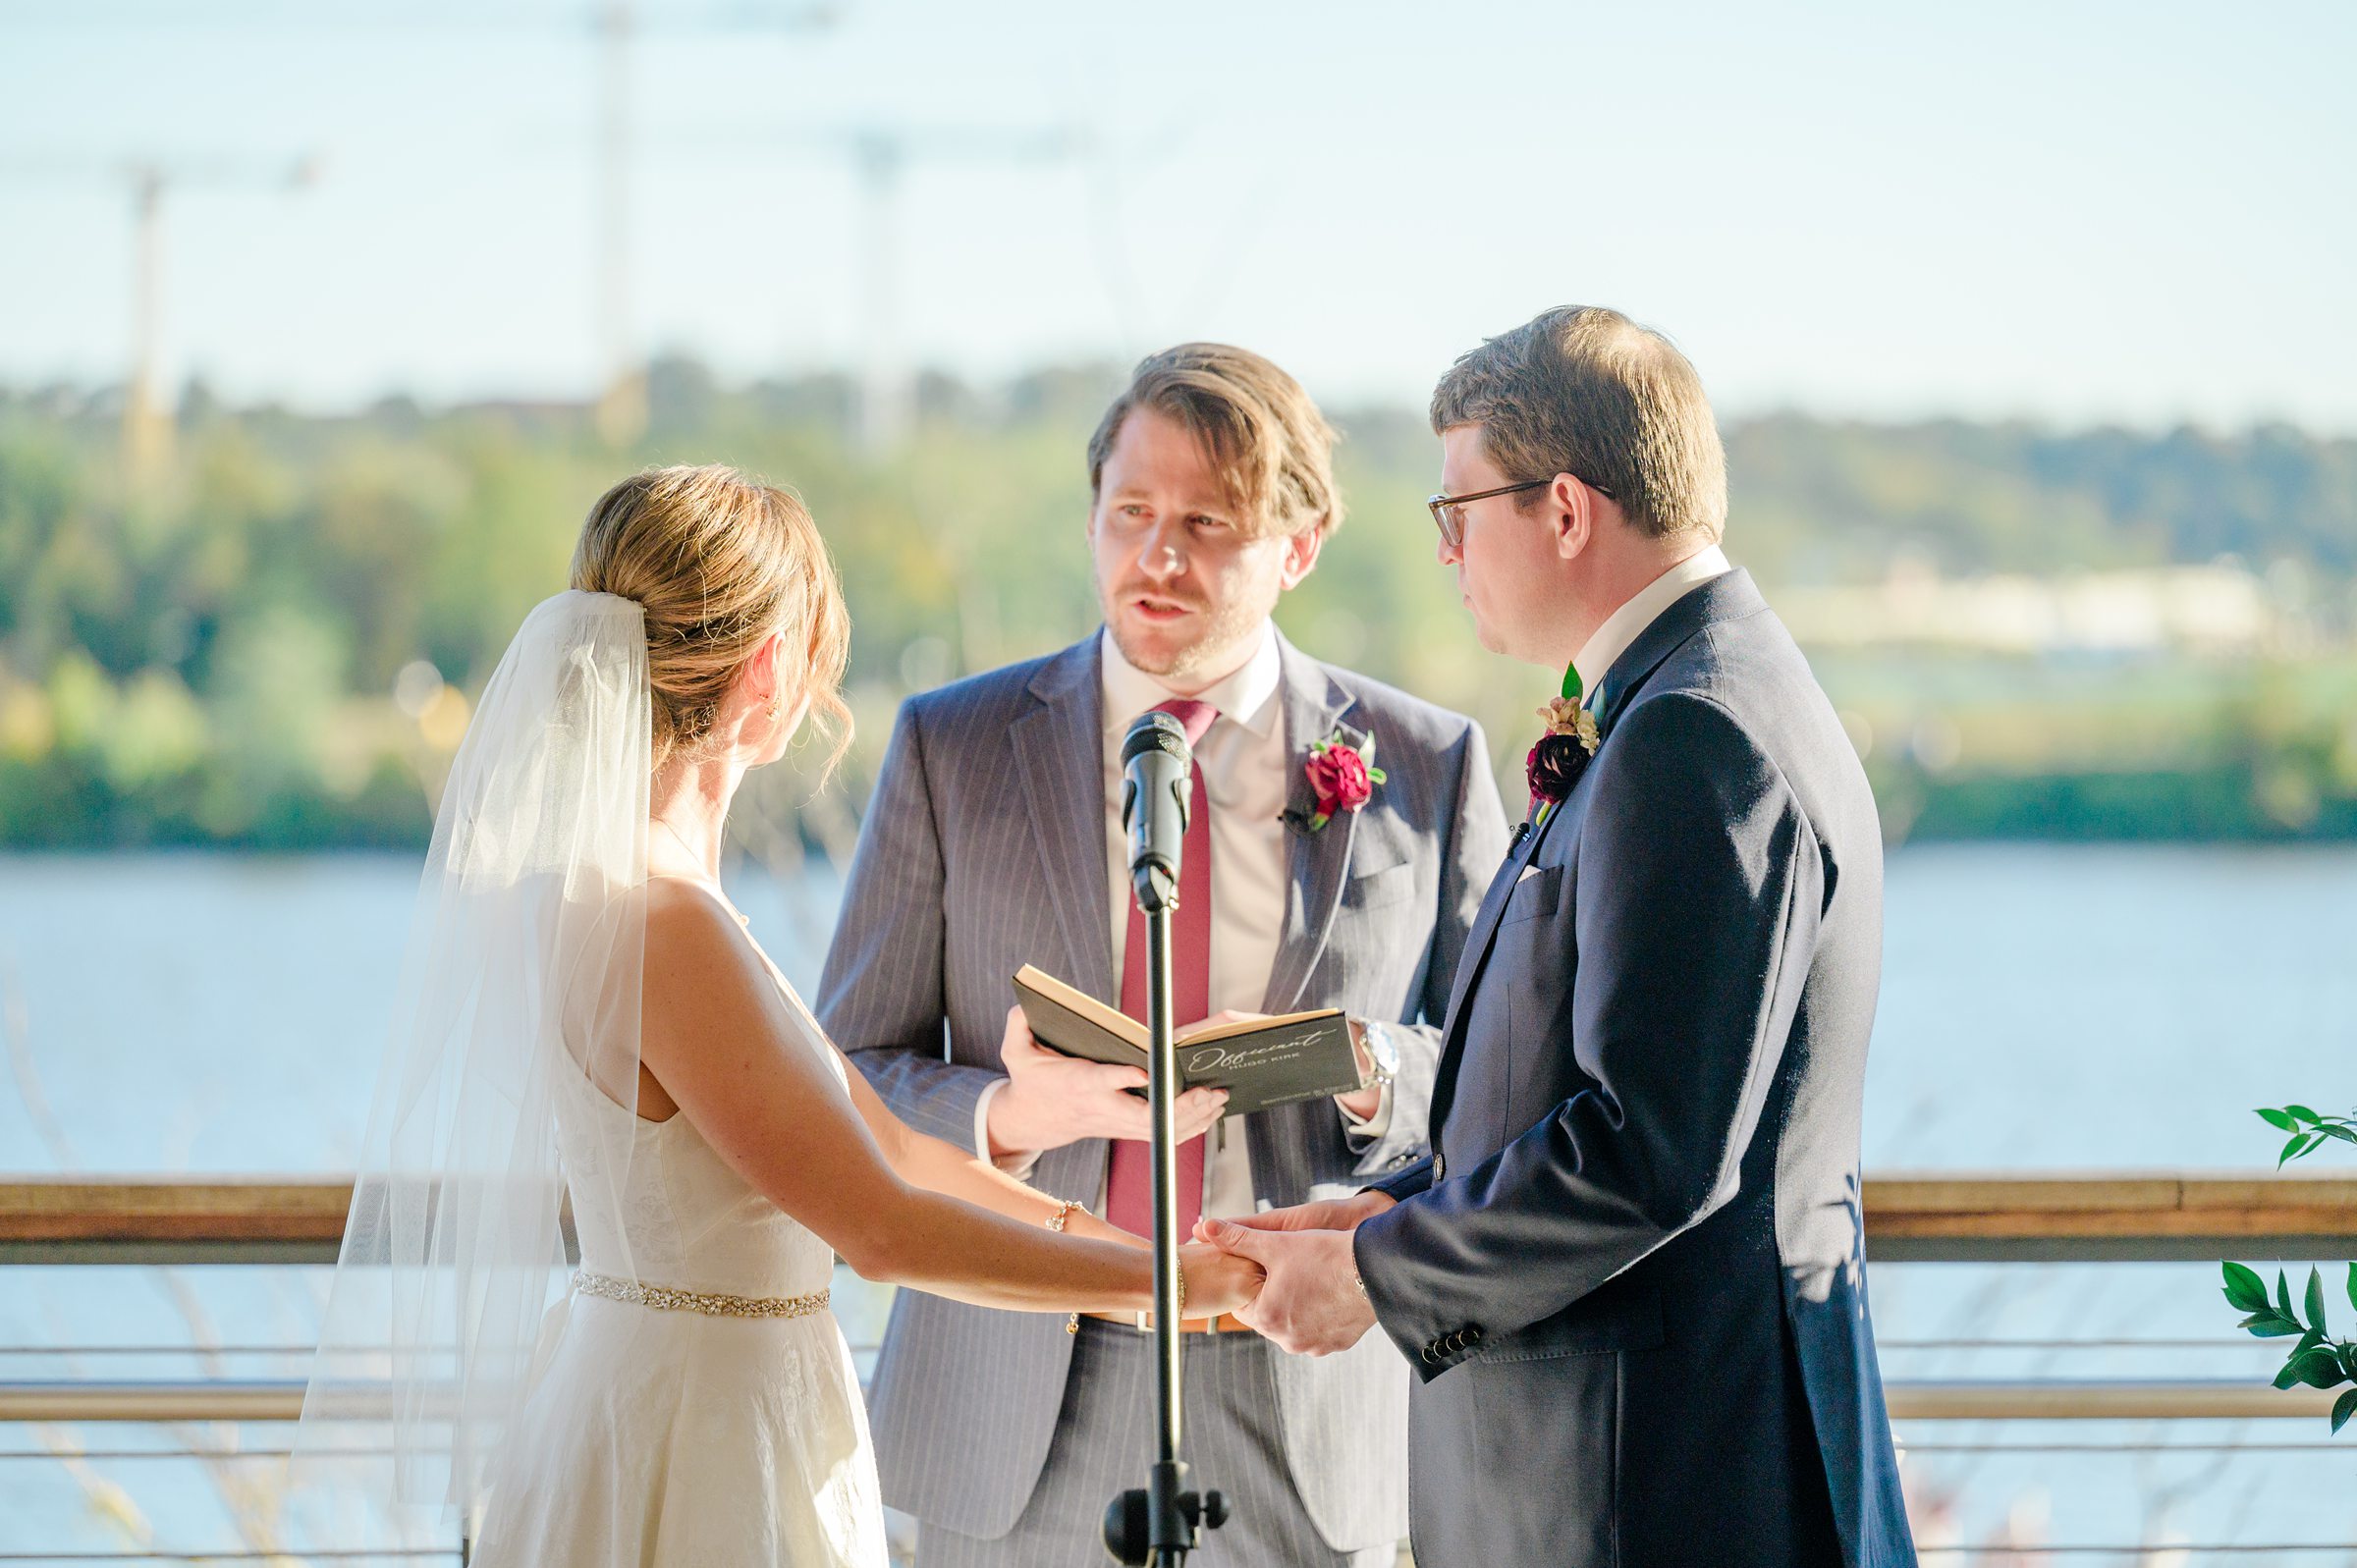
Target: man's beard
{"type": "Point", "coordinates": [1223, 630]}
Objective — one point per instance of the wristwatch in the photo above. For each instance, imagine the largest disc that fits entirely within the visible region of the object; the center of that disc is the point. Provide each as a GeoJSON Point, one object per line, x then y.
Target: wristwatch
{"type": "Point", "coordinates": [1383, 1055]}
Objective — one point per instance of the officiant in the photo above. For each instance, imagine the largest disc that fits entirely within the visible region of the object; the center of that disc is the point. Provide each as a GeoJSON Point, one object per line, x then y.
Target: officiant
{"type": "Point", "coordinates": [994, 839]}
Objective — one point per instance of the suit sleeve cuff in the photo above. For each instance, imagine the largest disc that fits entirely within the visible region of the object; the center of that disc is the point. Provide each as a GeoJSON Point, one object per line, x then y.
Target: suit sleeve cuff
{"type": "Point", "coordinates": [1406, 1182]}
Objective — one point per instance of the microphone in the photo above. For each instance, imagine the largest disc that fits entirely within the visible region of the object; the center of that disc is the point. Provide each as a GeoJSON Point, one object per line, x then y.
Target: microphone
{"type": "Point", "coordinates": [1157, 784]}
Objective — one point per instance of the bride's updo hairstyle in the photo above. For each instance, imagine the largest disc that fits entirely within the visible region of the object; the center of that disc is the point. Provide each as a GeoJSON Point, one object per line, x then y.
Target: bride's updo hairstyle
{"type": "Point", "coordinates": [718, 560]}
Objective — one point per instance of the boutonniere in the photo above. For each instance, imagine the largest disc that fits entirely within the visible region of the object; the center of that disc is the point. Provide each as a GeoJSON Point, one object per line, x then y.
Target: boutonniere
{"type": "Point", "coordinates": [1561, 754]}
{"type": "Point", "coordinates": [1341, 777]}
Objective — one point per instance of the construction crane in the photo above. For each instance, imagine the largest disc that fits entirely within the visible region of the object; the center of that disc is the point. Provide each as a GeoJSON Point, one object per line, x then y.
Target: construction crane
{"type": "Point", "coordinates": [147, 418]}
{"type": "Point", "coordinates": [622, 394]}
{"type": "Point", "coordinates": [880, 158]}
{"type": "Point", "coordinates": [147, 424]}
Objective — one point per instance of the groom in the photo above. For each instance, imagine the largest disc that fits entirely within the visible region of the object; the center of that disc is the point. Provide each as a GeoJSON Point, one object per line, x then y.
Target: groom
{"type": "Point", "coordinates": [995, 840]}
{"type": "Point", "coordinates": [1630, 1279]}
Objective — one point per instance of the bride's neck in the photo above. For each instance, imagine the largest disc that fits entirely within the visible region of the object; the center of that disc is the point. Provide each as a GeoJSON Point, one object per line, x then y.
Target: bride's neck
{"type": "Point", "coordinates": [689, 803]}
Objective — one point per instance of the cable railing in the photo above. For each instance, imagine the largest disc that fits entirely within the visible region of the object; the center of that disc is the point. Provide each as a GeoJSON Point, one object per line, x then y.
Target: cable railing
{"type": "Point", "coordinates": [2095, 1217]}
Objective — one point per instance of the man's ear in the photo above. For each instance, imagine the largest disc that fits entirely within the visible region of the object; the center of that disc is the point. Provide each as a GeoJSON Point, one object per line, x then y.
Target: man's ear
{"type": "Point", "coordinates": [1302, 555]}
{"type": "Point", "coordinates": [1571, 514]}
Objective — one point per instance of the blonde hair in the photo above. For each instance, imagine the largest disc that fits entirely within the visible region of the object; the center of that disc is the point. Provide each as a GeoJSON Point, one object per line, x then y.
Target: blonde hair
{"type": "Point", "coordinates": [1274, 449]}
{"type": "Point", "coordinates": [718, 560]}
{"type": "Point", "coordinates": [1585, 391]}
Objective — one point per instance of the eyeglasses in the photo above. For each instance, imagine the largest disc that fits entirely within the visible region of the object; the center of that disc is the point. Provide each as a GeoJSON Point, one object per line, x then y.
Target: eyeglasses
{"type": "Point", "coordinates": [1448, 511]}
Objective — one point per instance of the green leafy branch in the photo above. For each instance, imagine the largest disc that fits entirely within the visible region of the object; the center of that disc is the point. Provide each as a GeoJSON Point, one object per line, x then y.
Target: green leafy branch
{"type": "Point", "coordinates": [2308, 1130]}
{"type": "Point", "coordinates": [2318, 1360]}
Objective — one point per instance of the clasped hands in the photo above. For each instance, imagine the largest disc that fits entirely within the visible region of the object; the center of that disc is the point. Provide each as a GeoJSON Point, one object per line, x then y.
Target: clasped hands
{"type": "Point", "coordinates": [1310, 1301]}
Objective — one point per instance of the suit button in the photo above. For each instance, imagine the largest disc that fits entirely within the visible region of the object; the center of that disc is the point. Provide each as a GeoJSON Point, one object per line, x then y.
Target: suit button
{"type": "Point", "coordinates": [1426, 1353]}
{"type": "Point", "coordinates": [1439, 1168]}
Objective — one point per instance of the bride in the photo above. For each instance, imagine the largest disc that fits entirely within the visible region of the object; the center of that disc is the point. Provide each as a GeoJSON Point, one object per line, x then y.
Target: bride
{"type": "Point", "coordinates": [583, 1016]}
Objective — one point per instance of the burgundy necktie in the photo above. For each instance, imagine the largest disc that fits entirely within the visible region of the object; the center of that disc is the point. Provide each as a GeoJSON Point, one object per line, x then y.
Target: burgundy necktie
{"type": "Point", "coordinates": [1130, 1179]}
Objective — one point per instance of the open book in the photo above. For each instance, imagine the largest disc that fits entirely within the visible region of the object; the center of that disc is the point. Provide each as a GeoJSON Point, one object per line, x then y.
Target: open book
{"type": "Point", "coordinates": [1260, 1062]}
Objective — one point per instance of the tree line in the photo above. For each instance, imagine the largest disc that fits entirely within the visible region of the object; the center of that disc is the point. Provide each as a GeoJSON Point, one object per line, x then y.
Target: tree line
{"type": "Point", "coordinates": [212, 658]}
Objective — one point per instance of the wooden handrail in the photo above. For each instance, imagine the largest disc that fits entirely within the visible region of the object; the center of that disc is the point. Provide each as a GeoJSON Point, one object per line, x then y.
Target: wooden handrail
{"type": "Point", "coordinates": [226, 1210]}
{"type": "Point", "coordinates": [2110, 1204]}
{"type": "Point", "coordinates": [1908, 1216]}
{"type": "Point", "coordinates": [1993, 1399]}
{"type": "Point", "coordinates": [172, 1219]}
{"type": "Point", "coordinates": [2108, 1215]}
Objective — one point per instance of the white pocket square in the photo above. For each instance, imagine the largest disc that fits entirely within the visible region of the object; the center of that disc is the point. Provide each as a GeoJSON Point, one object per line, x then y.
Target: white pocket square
{"type": "Point", "coordinates": [1529, 872]}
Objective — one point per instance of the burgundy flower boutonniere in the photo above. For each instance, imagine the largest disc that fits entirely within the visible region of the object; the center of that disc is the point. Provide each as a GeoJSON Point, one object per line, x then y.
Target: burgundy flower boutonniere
{"type": "Point", "coordinates": [1341, 777]}
{"type": "Point", "coordinates": [1561, 754]}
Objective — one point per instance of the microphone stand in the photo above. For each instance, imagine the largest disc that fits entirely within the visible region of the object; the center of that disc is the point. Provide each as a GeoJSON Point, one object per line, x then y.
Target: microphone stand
{"type": "Point", "coordinates": [1155, 1527]}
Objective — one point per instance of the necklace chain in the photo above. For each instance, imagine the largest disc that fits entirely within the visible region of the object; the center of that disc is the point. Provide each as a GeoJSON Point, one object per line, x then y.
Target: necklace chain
{"type": "Point", "coordinates": [714, 886]}
{"type": "Point", "coordinates": [680, 839]}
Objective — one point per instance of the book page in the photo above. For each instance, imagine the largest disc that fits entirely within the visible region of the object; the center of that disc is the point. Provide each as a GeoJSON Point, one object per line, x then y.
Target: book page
{"type": "Point", "coordinates": [1202, 1034]}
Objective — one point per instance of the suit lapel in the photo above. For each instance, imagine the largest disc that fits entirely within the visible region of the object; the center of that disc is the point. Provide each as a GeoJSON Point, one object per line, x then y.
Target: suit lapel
{"type": "Point", "coordinates": [1485, 919]}
{"type": "Point", "coordinates": [1468, 969]}
{"type": "Point", "coordinates": [1059, 750]}
{"type": "Point", "coordinates": [1316, 863]}
{"type": "Point", "coordinates": [1727, 597]}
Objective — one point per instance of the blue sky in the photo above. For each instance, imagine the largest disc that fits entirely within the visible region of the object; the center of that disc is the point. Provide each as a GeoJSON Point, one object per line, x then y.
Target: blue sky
{"type": "Point", "coordinates": [2074, 211]}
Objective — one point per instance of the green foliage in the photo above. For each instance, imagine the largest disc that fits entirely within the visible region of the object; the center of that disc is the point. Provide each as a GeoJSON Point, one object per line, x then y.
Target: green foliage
{"type": "Point", "coordinates": [2317, 1360]}
{"type": "Point", "coordinates": [1823, 500]}
{"type": "Point", "coordinates": [214, 661]}
{"type": "Point", "coordinates": [2308, 1130]}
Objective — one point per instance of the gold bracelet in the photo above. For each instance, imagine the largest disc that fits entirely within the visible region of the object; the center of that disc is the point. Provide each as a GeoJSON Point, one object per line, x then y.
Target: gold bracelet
{"type": "Point", "coordinates": [1056, 1222]}
{"type": "Point", "coordinates": [1178, 1267]}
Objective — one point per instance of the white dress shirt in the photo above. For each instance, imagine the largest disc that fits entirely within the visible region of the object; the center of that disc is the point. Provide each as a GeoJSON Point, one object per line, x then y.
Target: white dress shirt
{"type": "Point", "coordinates": [1246, 780]}
{"type": "Point", "coordinates": [1628, 623]}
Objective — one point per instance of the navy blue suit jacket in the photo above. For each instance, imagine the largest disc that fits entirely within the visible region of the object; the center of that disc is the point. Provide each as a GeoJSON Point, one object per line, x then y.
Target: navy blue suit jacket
{"type": "Point", "coordinates": [1631, 1281]}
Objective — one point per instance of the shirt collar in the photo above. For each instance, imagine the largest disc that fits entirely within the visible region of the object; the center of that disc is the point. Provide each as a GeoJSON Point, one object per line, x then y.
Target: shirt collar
{"type": "Point", "coordinates": [1626, 624]}
{"type": "Point", "coordinates": [1247, 697]}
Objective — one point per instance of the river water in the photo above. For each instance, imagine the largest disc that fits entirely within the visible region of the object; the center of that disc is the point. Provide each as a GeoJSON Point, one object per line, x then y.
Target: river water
{"type": "Point", "coordinates": [2043, 1008]}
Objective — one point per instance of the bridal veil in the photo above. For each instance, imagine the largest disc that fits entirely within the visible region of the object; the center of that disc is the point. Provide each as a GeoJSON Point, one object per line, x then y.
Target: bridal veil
{"type": "Point", "coordinates": [523, 964]}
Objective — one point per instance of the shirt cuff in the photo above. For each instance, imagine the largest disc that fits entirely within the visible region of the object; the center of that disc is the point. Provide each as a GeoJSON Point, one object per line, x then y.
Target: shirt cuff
{"type": "Point", "coordinates": [1018, 1166]}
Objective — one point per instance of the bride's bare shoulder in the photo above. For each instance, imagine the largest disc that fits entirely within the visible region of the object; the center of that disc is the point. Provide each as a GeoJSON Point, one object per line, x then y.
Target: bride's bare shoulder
{"type": "Point", "coordinates": [687, 925]}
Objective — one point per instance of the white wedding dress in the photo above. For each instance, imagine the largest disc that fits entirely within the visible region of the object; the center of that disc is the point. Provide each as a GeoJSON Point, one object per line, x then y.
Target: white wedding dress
{"type": "Point", "coordinates": [677, 1437]}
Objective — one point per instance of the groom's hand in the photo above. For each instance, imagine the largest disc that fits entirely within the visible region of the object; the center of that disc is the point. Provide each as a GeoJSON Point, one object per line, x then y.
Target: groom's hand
{"type": "Point", "coordinates": [1339, 1213]}
{"type": "Point", "coordinates": [1216, 1282]}
{"type": "Point", "coordinates": [1049, 1099]}
{"type": "Point", "coordinates": [1312, 1304]}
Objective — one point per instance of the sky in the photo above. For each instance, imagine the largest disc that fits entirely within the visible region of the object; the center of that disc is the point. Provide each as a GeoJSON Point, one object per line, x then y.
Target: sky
{"type": "Point", "coordinates": [2076, 211]}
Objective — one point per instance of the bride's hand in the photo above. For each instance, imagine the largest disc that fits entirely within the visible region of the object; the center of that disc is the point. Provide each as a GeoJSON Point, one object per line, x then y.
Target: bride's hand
{"type": "Point", "coordinates": [1217, 1281]}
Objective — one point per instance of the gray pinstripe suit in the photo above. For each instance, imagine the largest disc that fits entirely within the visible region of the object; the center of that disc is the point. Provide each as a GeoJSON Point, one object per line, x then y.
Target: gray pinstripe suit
{"type": "Point", "coordinates": [984, 850]}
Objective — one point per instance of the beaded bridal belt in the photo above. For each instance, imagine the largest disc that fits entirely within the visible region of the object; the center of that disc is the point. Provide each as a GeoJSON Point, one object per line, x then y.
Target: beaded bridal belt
{"type": "Point", "coordinates": [667, 1300]}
